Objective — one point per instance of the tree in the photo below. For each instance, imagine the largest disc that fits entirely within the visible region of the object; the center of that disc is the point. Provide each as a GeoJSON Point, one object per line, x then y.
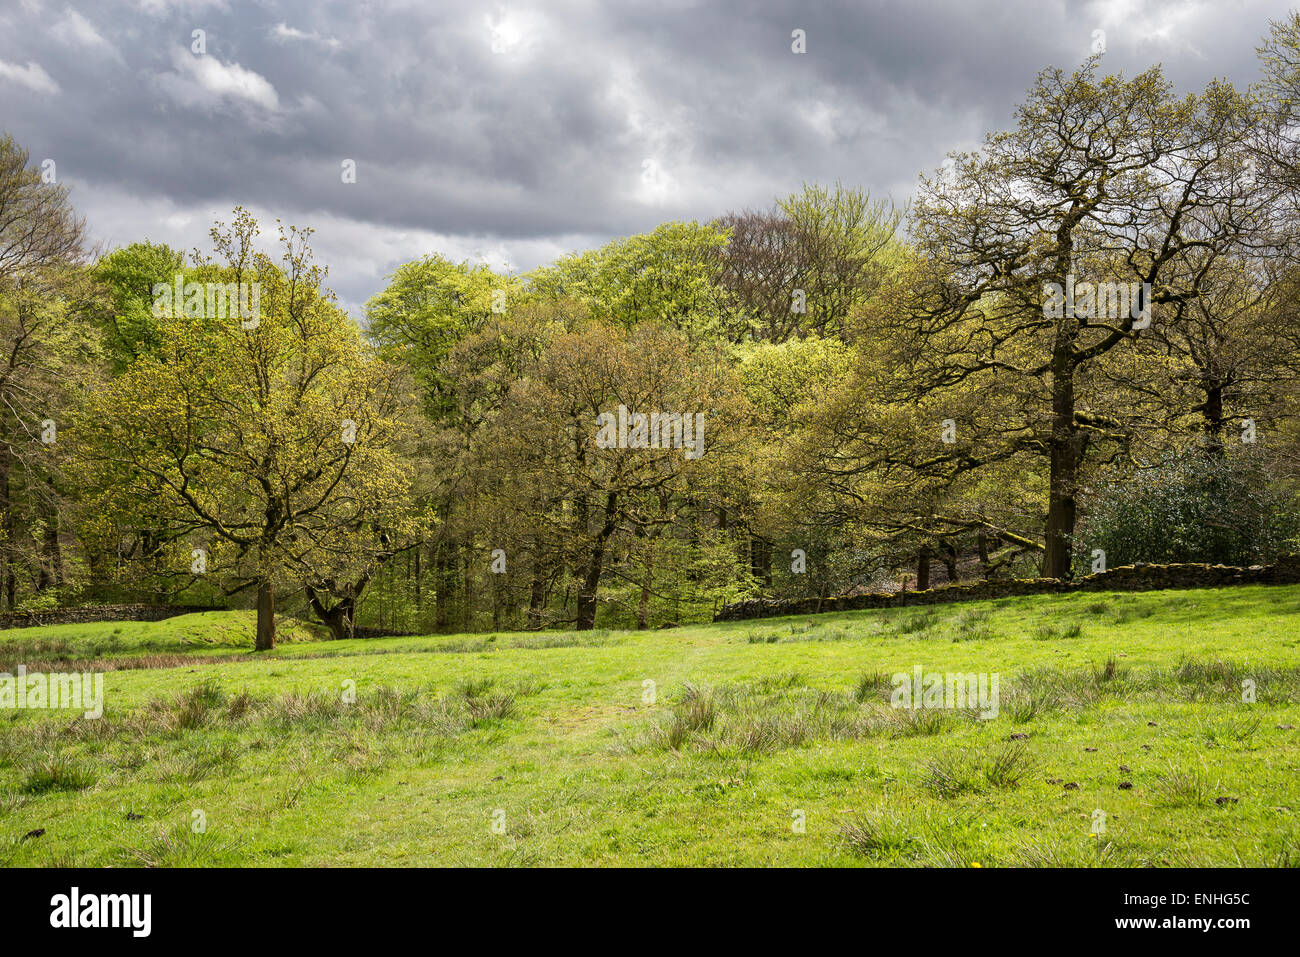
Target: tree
{"type": "Point", "coordinates": [128, 277]}
{"type": "Point", "coordinates": [669, 275]}
{"type": "Point", "coordinates": [549, 442]}
{"type": "Point", "coordinates": [263, 443]}
{"type": "Point", "coordinates": [1111, 181]}
{"type": "Point", "coordinates": [47, 350]}
{"type": "Point", "coordinates": [807, 265]}
{"type": "Point", "coordinates": [786, 384]}
{"type": "Point", "coordinates": [48, 356]}
{"type": "Point", "coordinates": [1231, 358]}
{"type": "Point", "coordinates": [428, 306]}
{"type": "Point", "coordinates": [38, 226]}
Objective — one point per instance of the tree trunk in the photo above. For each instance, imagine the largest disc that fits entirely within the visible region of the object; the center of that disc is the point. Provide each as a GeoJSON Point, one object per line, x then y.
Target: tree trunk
{"type": "Point", "coordinates": [589, 578]}
{"type": "Point", "coordinates": [6, 528]}
{"type": "Point", "coordinates": [1212, 413]}
{"type": "Point", "coordinates": [467, 578]}
{"type": "Point", "coordinates": [51, 573]}
{"type": "Point", "coordinates": [443, 579]}
{"type": "Point", "coordinates": [1063, 476]}
{"type": "Point", "coordinates": [340, 617]}
{"type": "Point", "coordinates": [536, 596]}
{"type": "Point", "coordinates": [418, 598]}
{"type": "Point", "coordinates": [587, 586]}
{"type": "Point", "coordinates": [760, 560]}
{"type": "Point", "coordinates": [643, 607]}
{"type": "Point", "coordinates": [982, 546]}
{"type": "Point", "coordinates": [949, 559]}
{"type": "Point", "coordinates": [265, 616]}
{"type": "Point", "coordinates": [923, 569]}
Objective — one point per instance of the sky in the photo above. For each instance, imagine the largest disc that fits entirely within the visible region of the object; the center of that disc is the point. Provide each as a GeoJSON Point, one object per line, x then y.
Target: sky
{"type": "Point", "coordinates": [514, 133]}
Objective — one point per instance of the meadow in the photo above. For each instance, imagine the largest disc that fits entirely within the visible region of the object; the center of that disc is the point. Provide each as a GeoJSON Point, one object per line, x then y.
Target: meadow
{"type": "Point", "coordinates": [1125, 736]}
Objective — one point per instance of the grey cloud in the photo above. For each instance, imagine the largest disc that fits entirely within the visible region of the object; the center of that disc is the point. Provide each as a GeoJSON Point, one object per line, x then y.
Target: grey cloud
{"type": "Point", "coordinates": [525, 151]}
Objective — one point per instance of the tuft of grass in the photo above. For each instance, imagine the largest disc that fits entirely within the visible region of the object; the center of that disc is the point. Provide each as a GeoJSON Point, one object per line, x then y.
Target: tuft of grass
{"type": "Point", "coordinates": [317, 708]}
{"type": "Point", "coordinates": [240, 706]}
{"type": "Point", "coordinates": [1026, 704]}
{"type": "Point", "coordinates": [58, 773]}
{"type": "Point", "coordinates": [1053, 632]}
{"type": "Point", "coordinates": [950, 775]}
{"type": "Point", "coordinates": [1206, 672]}
{"type": "Point", "coordinates": [496, 706]}
{"type": "Point", "coordinates": [779, 682]}
{"type": "Point", "coordinates": [875, 835]}
{"type": "Point", "coordinates": [475, 687]}
{"type": "Point", "coordinates": [1180, 787]}
{"type": "Point", "coordinates": [193, 708]}
{"type": "Point", "coordinates": [956, 773]}
{"type": "Point", "coordinates": [697, 710]}
{"type": "Point", "coordinates": [1108, 672]}
{"type": "Point", "coordinates": [871, 685]}
{"type": "Point", "coordinates": [1008, 765]}
{"type": "Point", "coordinates": [181, 847]}
{"type": "Point", "coordinates": [693, 714]}
{"type": "Point", "coordinates": [918, 722]}
{"type": "Point", "coordinates": [916, 624]}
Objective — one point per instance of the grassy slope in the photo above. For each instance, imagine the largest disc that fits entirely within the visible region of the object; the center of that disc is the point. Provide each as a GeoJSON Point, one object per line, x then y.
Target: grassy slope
{"type": "Point", "coordinates": [551, 730]}
{"type": "Point", "coordinates": [202, 633]}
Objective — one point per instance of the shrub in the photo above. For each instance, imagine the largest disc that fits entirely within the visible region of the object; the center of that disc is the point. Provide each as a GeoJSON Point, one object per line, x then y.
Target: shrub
{"type": "Point", "coordinates": [1226, 510]}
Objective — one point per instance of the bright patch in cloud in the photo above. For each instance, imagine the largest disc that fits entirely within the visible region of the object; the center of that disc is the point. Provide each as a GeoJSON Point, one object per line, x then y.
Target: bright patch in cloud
{"type": "Point", "coordinates": [283, 33]}
{"type": "Point", "coordinates": [206, 81]}
{"type": "Point", "coordinates": [76, 30]}
{"type": "Point", "coordinates": [1137, 23]}
{"type": "Point", "coordinates": [513, 32]}
{"type": "Point", "coordinates": [160, 7]}
{"type": "Point", "coordinates": [657, 185]}
{"type": "Point", "coordinates": [30, 76]}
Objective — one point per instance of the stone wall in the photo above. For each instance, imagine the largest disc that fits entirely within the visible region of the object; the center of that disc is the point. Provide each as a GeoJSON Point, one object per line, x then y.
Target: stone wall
{"type": "Point", "coordinates": [70, 616]}
{"type": "Point", "coordinates": [1140, 577]}
{"type": "Point", "coordinates": [374, 631]}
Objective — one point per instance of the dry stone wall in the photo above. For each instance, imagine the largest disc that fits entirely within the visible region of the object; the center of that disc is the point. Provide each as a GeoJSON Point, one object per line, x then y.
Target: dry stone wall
{"type": "Point", "coordinates": [1139, 577]}
{"type": "Point", "coordinates": [71, 616]}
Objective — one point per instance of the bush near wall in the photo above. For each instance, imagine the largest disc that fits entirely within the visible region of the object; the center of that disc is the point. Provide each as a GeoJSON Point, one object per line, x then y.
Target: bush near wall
{"type": "Point", "coordinates": [1237, 509]}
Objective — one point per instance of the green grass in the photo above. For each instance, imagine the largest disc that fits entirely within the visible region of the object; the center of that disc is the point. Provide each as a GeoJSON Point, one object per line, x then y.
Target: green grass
{"type": "Point", "coordinates": [544, 749]}
{"type": "Point", "coordinates": [203, 633]}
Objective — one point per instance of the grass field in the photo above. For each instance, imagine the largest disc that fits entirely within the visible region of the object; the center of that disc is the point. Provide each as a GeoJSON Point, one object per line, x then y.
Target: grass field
{"type": "Point", "coordinates": [766, 743]}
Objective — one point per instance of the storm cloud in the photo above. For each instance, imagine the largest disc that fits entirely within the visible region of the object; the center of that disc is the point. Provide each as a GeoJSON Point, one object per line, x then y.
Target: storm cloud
{"type": "Point", "coordinates": [517, 132]}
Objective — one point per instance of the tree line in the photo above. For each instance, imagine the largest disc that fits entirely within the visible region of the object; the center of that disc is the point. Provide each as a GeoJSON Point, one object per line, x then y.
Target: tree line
{"type": "Point", "coordinates": [1078, 345]}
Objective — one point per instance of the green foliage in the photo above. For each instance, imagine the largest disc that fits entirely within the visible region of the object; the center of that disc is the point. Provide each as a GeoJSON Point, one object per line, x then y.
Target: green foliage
{"type": "Point", "coordinates": [429, 306]}
{"type": "Point", "coordinates": [668, 275]}
{"type": "Point", "coordinates": [778, 377]}
{"type": "Point", "coordinates": [269, 443]}
{"type": "Point", "coordinates": [1198, 508]}
{"type": "Point", "coordinates": [128, 276]}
